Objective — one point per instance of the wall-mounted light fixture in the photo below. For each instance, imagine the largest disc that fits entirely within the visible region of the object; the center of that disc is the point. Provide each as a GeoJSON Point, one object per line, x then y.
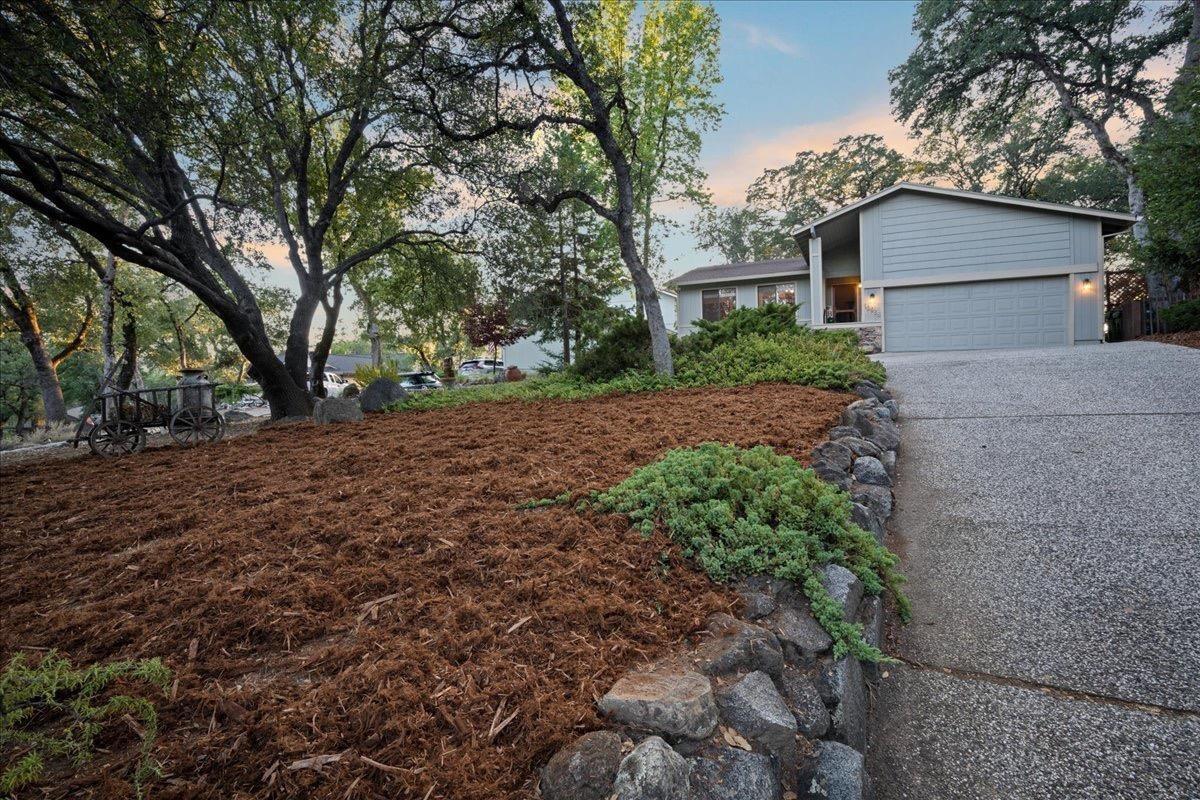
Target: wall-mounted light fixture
{"type": "Point", "coordinates": [872, 301]}
{"type": "Point", "coordinates": [1086, 285]}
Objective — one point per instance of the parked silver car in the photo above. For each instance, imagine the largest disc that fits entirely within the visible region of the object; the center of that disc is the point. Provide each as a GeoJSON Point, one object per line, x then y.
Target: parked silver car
{"type": "Point", "coordinates": [419, 381]}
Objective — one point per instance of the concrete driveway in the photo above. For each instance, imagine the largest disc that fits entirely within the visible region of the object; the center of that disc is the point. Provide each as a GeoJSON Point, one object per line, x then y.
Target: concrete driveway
{"type": "Point", "coordinates": [1049, 523]}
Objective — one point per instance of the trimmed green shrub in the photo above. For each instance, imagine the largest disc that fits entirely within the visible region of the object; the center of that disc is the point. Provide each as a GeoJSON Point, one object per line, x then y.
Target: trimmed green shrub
{"type": "Point", "coordinates": [1183, 316]}
{"type": "Point", "coordinates": [624, 348]}
{"type": "Point", "coordinates": [765, 320]}
{"type": "Point", "coordinates": [824, 359]}
{"type": "Point", "coordinates": [56, 711]}
{"type": "Point", "coordinates": [741, 512]}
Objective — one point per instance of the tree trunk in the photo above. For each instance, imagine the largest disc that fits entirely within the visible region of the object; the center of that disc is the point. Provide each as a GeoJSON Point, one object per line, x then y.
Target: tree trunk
{"type": "Point", "coordinates": [562, 288]}
{"type": "Point", "coordinates": [53, 405]}
{"type": "Point", "coordinates": [21, 310]}
{"type": "Point", "coordinates": [108, 314]}
{"type": "Point", "coordinates": [660, 345]}
{"type": "Point", "coordinates": [296, 352]}
{"type": "Point", "coordinates": [325, 343]}
{"type": "Point", "coordinates": [129, 356]}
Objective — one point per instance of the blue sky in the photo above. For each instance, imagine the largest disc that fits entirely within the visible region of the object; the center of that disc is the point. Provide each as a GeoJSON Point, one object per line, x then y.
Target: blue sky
{"type": "Point", "coordinates": [797, 76]}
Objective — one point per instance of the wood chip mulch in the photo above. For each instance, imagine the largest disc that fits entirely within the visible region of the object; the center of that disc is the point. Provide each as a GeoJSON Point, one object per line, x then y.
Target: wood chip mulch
{"type": "Point", "coordinates": [1181, 338]}
{"type": "Point", "coordinates": [361, 611]}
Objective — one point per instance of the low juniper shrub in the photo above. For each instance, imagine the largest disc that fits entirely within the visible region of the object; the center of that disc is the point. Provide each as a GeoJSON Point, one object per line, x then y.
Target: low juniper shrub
{"type": "Point", "coordinates": [741, 512]}
{"type": "Point", "coordinates": [764, 320]}
{"type": "Point", "coordinates": [54, 711]}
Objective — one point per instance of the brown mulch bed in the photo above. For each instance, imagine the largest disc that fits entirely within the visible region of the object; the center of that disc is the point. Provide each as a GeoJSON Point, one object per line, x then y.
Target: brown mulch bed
{"type": "Point", "coordinates": [370, 591]}
{"type": "Point", "coordinates": [1182, 338]}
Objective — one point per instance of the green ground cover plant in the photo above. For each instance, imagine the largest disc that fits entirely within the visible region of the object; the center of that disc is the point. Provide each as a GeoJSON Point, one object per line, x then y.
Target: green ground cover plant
{"type": "Point", "coordinates": [741, 512]}
{"type": "Point", "coordinates": [54, 711]}
{"type": "Point", "coordinates": [749, 346]}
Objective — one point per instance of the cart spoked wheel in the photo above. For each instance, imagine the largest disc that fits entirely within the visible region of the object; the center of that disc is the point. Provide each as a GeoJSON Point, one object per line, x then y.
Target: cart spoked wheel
{"type": "Point", "coordinates": [191, 426]}
{"type": "Point", "coordinates": [116, 438]}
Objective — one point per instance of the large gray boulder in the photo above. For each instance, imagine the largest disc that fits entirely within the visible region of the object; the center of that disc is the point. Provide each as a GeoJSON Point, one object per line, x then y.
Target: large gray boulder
{"type": "Point", "coordinates": [866, 519]}
{"type": "Point", "coordinates": [869, 389]}
{"type": "Point", "coordinates": [870, 616]}
{"type": "Point", "coordinates": [835, 772]}
{"type": "Point", "coordinates": [653, 771]}
{"type": "Point", "coordinates": [850, 715]}
{"type": "Point", "coordinates": [860, 447]}
{"type": "Point", "coordinates": [337, 409]}
{"type": "Point", "coordinates": [874, 422]}
{"type": "Point", "coordinates": [837, 454]}
{"type": "Point", "coordinates": [893, 408]}
{"type": "Point", "coordinates": [678, 705]}
{"type": "Point", "coordinates": [871, 470]}
{"type": "Point", "coordinates": [877, 498]}
{"type": "Point", "coordinates": [801, 636]}
{"type": "Point", "coordinates": [737, 646]}
{"type": "Point", "coordinates": [805, 703]}
{"type": "Point", "coordinates": [758, 595]}
{"type": "Point", "coordinates": [888, 459]}
{"type": "Point", "coordinates": [831, 474]}
{"type": "Point", "coordinates": [842, 431]}
{"type": "Point", "coordinates": [584, 769]}
{"type": "Point", "coordinates": [733, 774]}
{"type": "Point", "coordinates": [754, 708]}
{"type": "Point", "coordinates": [380, 393]}
{"type": "Point", "coordinates": [844, 587]}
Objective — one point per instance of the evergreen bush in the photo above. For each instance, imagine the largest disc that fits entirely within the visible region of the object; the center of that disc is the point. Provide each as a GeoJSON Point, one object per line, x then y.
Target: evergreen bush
{"type": "Point", "coordinates": [625, 347]}
{"type": "Point", "coordinates": [741, 512]}
{"type": "Point", "coordinates": [1183, 316]}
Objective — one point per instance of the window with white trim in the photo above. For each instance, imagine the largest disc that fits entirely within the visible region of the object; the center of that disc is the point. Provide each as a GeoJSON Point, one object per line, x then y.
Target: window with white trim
{"type": "Point", "coordinates": [715, 304]}
{"type": "Point", "coordinates": [777, 293]}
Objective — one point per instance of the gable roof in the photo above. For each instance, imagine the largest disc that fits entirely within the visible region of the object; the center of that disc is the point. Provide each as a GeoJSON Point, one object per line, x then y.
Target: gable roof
{"type": "Point", "coordinates": [1118, 220]}
{"type": "Point", "coordinates": [741, 272]}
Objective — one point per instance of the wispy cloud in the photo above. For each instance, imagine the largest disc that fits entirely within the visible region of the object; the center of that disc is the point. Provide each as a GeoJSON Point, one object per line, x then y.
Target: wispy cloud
{"type": "Point", "coordinates": [730, 175]}
{"type": "Point", "coordinates": [757, 36]}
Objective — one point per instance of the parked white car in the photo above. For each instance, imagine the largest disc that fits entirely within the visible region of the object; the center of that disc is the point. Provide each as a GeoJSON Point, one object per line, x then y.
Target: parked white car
{"type": "Point", "coordinates": [336, 385]}
{"type": "Point", "coordinates": [473, 365]}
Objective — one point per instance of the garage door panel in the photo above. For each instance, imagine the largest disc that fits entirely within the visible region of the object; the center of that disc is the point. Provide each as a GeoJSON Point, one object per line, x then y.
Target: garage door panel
{"type": "Point", "coordinates": [1029, 312]}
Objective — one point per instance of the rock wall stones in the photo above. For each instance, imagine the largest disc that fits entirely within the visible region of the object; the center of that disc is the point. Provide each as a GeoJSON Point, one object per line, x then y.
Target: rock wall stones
{"type": "Point", "coordinates": [759, 709]}
{"type": "Point", "coordinates": [337, 409]}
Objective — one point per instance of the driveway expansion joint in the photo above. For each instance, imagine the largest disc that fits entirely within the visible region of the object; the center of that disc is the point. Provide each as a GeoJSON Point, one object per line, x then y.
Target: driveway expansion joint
{"type": "Point", "coordinates": [1045, 688]}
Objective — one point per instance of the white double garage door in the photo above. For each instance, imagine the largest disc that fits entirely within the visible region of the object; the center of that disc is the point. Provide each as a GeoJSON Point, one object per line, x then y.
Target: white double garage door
{"type": "Point", "coordinates": [1025, 312]}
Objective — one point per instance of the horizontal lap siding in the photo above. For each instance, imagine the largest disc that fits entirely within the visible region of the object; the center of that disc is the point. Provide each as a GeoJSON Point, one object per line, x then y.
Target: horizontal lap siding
{"type": "Point", "coordinates": [924, 236]}
{"type": "Point", "coordinates": [1030, 312]}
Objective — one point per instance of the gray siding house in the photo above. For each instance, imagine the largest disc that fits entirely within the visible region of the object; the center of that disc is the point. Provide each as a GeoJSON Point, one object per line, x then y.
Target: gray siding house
{"type": "Point", "coordinates": [917, 267]}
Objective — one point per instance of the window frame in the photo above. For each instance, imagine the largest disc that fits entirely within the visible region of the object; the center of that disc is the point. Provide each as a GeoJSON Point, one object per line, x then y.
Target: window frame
{"type": "Point", "coordinates": [718, 290]}
{"type": "Point", "coordinates": [775, 286]}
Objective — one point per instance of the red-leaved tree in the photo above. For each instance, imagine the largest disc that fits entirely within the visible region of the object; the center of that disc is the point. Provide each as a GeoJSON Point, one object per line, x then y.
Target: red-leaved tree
{"type": "Point", "coordinates": [488, 325]}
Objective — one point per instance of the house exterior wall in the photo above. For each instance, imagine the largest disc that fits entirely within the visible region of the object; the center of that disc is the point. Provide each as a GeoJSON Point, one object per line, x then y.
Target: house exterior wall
{"type": "Point", "coordinates": [914, 239]}
{"type": "Point", "coordinates": [690, 308]}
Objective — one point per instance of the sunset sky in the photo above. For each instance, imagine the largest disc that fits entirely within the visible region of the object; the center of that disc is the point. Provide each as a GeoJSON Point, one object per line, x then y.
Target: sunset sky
{"type": "Point", "coordinates": [797, 76]}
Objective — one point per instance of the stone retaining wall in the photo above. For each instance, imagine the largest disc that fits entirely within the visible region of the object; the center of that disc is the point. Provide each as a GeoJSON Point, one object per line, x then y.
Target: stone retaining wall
{"type": "Point", "coordinates": [760, 709]}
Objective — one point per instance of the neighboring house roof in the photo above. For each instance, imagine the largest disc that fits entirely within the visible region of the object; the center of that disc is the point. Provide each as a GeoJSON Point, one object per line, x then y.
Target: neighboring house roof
{"type": "Point", "coordinates": [741, 272]}
{"type": "Point", "coordinates": [1118, 221]}
{"type": "Point", "coordinates": [344, 365]}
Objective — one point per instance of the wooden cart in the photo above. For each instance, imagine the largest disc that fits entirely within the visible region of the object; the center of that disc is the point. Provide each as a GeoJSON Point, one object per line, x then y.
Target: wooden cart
{"type": "Point", "coordinates": [119, 419]}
